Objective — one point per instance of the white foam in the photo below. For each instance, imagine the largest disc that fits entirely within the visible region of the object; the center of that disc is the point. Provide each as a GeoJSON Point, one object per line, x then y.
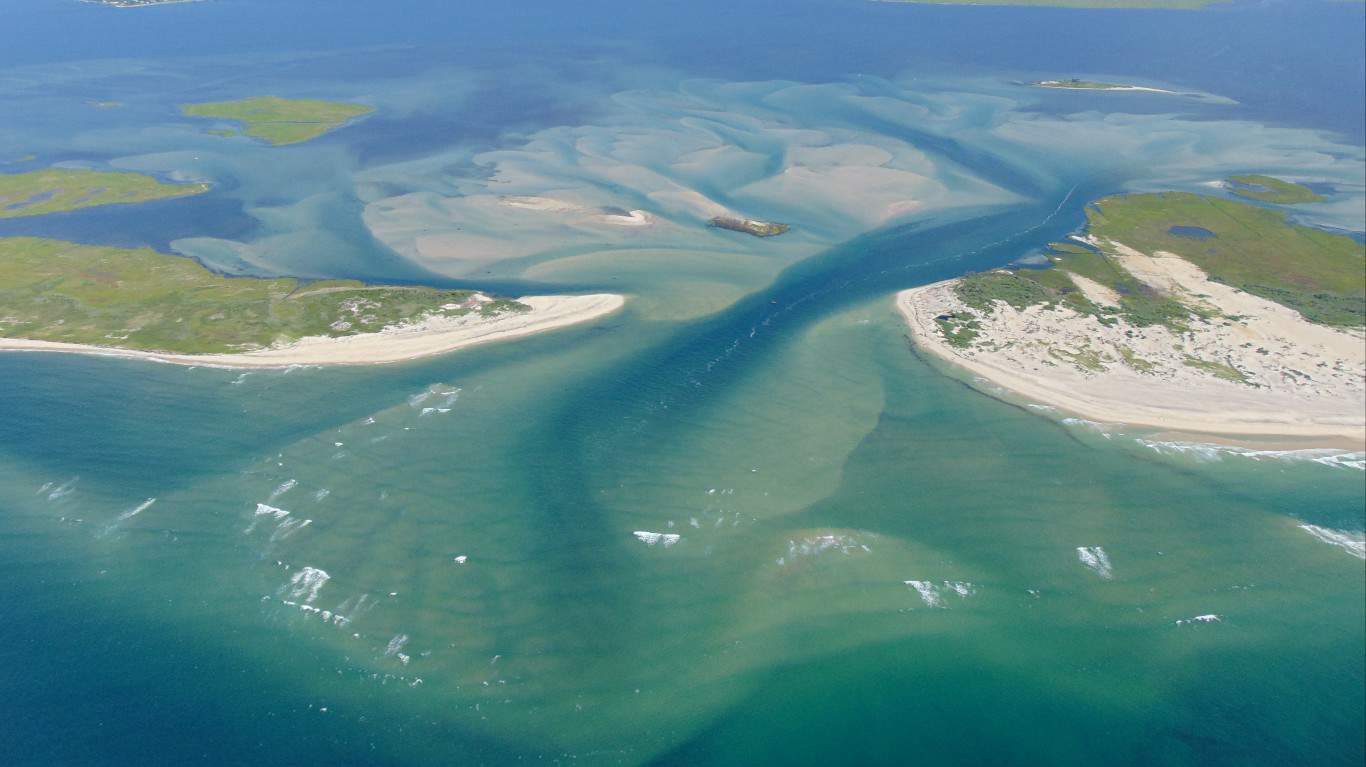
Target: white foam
{"type": "Point", "coordinates": [1103, 429]}
{"type": "Point", "coordinates": [1095, 558]}
{"type": "Point", "coordinates": [1210, 618]}
{"type": "Point", "coordinates": [63, 491]}
{"type": "Point", "coordinates": [650, 539]}
{"type": "Point", "coordinates": [264, 511]}
{"type": "Point", "coordinates": [306, 583]}
{"type": "Point", "coordinates": [284, 487]}
{"type": "Point", "coordinates": [1352, 543]}
{"type": "Point", "coordinates": [289, 527]}
{"type": "Point", "coordinates": [1343, 459]}
{"type": "Point", "coordinates": [393, 649]}
{"type": "Point", "coordinates": [929, 593]}
{"type": "Point", "coordinates": [961, 588]}
{"type": "Point", "coordinates": [321, 494]}
{"type": "Point", "coordinates": [819, 544]}
{"type": "Point", "coordinates": [136, 510]}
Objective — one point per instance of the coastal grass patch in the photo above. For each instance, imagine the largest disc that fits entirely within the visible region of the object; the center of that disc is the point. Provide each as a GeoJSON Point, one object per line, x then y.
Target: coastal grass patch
{"type": "Point", "coordinates": [1254, 249]}
{"type": "Point", "coordinates": [1271, 189]}
{"type": "Point", "coordinates": [960, 330]}
{"type": "Point", "coordinates": [1139, 304]}
{"type": "Point", "coordinates": [279, 121]}
{"type": "Point", "coordinates": [1134, 361]}
{"type": "Point", "coordinates": [1217, 369]}
{"type": "Point", "coordinates": [53, 290]}
{"type": "Point", "coordinates": [57, 190]}
{"type": "Point", "coordinates": [982, 290]}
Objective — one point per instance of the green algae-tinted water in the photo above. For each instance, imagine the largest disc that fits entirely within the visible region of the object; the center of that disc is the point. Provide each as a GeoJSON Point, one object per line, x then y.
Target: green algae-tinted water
{"type": "Point", "coordinates": [809, 474]}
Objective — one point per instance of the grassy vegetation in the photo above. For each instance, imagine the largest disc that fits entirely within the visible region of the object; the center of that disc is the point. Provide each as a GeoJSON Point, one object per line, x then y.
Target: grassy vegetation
{"type": "Point", "coordinates": [1217, 369]}
{"type": "Point", "coordinates": [750, 226]}
{"type": "Point", "coordinates": [1139, 305]}
{"type": "Point", "coordinates": [1254, 249]}
{"type": "Point", "coordinates": [1272, 189]}
{"type": "Point", "coordinates": [960, 330]}
{"type": "Point", "coordinates": [56, 190]}
{"type": "Point", "coordinates": [1086, 85]}
{"type": "Point", "coordinates": [140, 299]}
{"type": "Point", "coordinates": [1134, 361]}
{"type": "Point", "coordinates": [281, 121]}
{"type": "Point", "coordinates": [981, 291]}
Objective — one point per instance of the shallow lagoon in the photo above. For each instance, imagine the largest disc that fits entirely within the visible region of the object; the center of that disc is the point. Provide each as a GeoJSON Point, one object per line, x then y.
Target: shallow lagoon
{"type": "Point", "coordinates": [756, 398]}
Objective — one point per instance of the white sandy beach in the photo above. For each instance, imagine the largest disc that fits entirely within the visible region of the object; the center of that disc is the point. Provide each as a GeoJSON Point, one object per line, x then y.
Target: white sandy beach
{"type": "Point", "coordinates": [436, 335]}
{"type": "Point", "coordinates": [1304, 381]}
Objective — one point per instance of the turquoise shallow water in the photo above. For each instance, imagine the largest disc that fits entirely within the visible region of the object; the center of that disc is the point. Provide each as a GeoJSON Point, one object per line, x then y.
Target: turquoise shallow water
{"type": "Point", "coordinates": [877, 562]}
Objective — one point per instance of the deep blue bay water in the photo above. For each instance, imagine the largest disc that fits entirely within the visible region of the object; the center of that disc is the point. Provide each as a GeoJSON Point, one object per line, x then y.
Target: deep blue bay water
{"type": "Point", "coordinates": [757, 397]}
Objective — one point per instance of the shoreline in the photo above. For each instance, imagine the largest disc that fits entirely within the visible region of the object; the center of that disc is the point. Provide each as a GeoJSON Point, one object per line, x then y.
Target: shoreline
{"type": "Point", "coordinates": [434, 336]}
{"type": "Point", "coordinates": [1227, 426]}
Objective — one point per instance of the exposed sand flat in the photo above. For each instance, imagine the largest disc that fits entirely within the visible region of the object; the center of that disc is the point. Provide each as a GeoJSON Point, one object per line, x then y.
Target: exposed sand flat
{"type": "Point", "coordinates": [436, 335]}
{"type": "Point", "coordinates": [1302, 380]}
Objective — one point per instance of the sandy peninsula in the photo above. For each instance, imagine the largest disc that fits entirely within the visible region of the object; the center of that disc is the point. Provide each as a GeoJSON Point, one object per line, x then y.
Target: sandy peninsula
{"type": "Point", "coordinates": [435, 335]}
{"type": "Point", "coordinates": [1292, 378]}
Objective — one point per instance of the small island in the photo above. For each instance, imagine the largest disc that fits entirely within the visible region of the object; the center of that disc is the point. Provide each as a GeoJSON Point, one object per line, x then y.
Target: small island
{"type": "Point", "coordinates": [57, 190]}
{"type": "Point", "coordinates": [749, 226]}
{"type": "Point", "coordinates": [63, 296]}
{"type": "Point", "coordinates": [1271, 189]}
{"type": "Point", "coordinates": [1095, 85]}
{"type": "Point", "coordinates": [279, 121]}
{"type": "Point", "coordinates": [1174, 311]}
{"type": "Point", "coordinates": [136, 3]}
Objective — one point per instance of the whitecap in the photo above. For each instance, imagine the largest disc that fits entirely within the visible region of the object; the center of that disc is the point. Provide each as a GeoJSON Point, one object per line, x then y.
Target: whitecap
{"type": "Point", "coordinates": [393, 649]}
{"type": "Point", "coordinates": [1352, 543]}
{"type": "Point", "coordinates": [1095, 558]}
{"type": "Point", "coordinates": [136, 510]}
{"type": "Point", "coordinates": [289, 527]}
{"type": "Point", "coordinates": [66, 489]}
{"type": "Point", "coordinates": [1343, 459]}
{"type": "Point", "coordinates": [929, 593]}
{"type": "Point", "coordinates": [305, 584]}
{"type": "Point", "coordinates": [1210, 618]}
{"type": "Point", "coordinates": [283, 488]}
{"type": "Point", "coordinates": [818, 544]}
{"type": "Point", "coordinates": [650, 539]}
{"type": "Point", "coordinates": [961, 588]}
{"type": "Point", "coordinates": [264, 510]}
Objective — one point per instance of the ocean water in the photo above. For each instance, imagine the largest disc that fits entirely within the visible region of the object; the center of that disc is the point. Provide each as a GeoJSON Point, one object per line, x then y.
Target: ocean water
{"type": "Point", "coordinates": [455, 561]}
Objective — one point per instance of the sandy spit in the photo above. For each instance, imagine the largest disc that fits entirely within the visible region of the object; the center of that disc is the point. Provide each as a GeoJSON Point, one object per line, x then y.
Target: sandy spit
{"type": "Point", "coordinates": [436, 335]}
{"type": "Point", "coordinates": [1178, 400]}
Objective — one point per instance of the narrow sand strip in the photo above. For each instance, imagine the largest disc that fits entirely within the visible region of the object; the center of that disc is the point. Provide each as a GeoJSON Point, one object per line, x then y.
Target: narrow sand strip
{"type": "Point", "coordinates": [437, 335]}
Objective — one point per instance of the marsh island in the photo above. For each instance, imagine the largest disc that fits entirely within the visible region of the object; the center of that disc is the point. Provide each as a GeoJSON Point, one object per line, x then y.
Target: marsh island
{"type": "Point", "coordinates": [279, 121]}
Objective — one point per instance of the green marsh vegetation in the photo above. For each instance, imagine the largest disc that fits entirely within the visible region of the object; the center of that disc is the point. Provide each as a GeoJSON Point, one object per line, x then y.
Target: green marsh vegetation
{"type": "Point", "coordinates": [139, 299]}
{"type": "Point", "coordinates": [56, 190]}
{"type": "Point", "coordinates": [280, 121]}
{"type": "Point", "coordinates": [1271, 189]}
{"type": "Point", "coordinates": [1256, 250]}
